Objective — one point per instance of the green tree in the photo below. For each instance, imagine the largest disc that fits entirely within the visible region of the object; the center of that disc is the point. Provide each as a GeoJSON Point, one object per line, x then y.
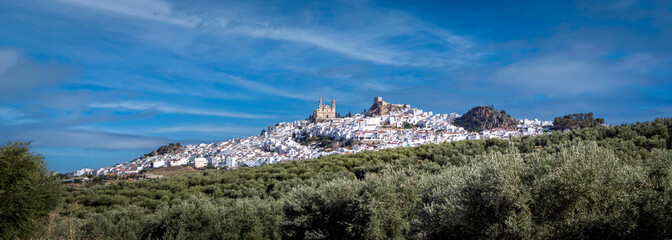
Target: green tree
{"type": "Point", "coordinates": [28, 191]}
{"type": "Point", "coordinates": [577, 121]}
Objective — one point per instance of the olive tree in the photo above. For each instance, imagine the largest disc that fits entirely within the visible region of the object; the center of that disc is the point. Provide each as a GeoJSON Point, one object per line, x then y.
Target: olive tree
{"type": "Point", "coordinates": [28, 191]}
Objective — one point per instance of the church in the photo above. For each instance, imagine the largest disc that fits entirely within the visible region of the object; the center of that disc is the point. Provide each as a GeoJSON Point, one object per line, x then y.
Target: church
{"type": "Point", "coordinates": [324, 112]}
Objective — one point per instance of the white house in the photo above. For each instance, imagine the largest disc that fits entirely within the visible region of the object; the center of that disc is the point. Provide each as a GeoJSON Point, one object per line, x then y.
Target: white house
{"type": "Point", "coordinates": [83, 171]}
{"type": "Point", "coordinates": [200, 162]}
{"type": "Point", "coordinates": [159, 163]}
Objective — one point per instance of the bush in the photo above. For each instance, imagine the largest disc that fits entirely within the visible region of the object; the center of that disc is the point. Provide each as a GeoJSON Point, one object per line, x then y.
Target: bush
{"type": "Point", "coordinates": [202, 218]}
{"type": "Point", "coordinates": [331, 211]}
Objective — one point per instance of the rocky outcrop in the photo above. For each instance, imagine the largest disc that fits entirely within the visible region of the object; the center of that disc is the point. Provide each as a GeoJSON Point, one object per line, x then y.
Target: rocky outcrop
{"type": "Point", "coordinates": [486, 118]}
{"type": "Point", "coordinates": [381, 107]}
{"type": "Point", "coordinates": [167, 149]}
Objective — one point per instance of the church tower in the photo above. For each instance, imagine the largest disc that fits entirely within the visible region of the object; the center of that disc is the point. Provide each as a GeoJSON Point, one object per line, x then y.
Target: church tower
{"type": "Point", "coordinates": [324, 112]}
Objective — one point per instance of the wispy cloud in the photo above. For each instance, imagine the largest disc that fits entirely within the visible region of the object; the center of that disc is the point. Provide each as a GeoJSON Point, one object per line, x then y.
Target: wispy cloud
{"type": "Point", "coordinates": [148, 9]}
{"type": "Point", "coordinates": [11, 116]}
{"type": "Point", "coordinates": [367, 42]}
{"type": "Point", "coordinates": [82, 138]}
{"type": "Point", "coordinates": [164, 108]}
{"type": "Point", "coordinates": [264, 88]}
{"type": "Point", "coordinates": [18, 73]}
{"type": "Point", "coordinates": [95, 139]}
{"type": "Point", "coordinates": [576, 69]}
{"type": "Point", "coordinates": [205, 128]}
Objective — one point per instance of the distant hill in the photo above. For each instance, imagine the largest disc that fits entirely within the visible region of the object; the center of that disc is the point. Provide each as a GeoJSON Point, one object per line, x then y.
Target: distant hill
{"type": "Point", "coordinates": [485, 118]}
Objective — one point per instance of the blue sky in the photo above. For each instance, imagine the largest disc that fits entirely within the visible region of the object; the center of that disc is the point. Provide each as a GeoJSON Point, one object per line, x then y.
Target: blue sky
{"type": "Point", "coordinates": [94, 82]}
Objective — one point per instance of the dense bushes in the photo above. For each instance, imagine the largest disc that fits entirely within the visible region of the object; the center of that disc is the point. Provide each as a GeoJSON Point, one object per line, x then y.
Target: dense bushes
{"type": "Point", "coordinates": [202, 218]}
{"type": "Point", "coordinates": [613, 182]}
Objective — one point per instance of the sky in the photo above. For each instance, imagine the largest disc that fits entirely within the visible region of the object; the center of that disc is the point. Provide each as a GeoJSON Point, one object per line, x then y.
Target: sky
{"type": "Point", "coordinates": [93, 83]}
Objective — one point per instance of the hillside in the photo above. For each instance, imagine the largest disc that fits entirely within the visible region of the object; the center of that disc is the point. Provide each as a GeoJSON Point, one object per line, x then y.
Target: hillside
{"type": "Point", "coordinates": [393, 125]}
{"type": "Point", "coordinates": [381, 107]}
{"type": "Point", "coordinates": [529, 188]}
{"type": "Point", "coordinates": [485, 118]}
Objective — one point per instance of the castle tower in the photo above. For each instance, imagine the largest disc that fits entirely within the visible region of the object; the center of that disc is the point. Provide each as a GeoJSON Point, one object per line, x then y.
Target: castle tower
{"type": "Point", "coordinates": [320, 104]}
{"type": "Point", "coordinates": [333, 104]}
{"type": "Point", "coordinates": [377, 99]}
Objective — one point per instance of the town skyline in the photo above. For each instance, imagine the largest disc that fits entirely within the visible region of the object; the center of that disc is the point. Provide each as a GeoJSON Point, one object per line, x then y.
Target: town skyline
{"type": "Point", "coordinates": [383, 126]}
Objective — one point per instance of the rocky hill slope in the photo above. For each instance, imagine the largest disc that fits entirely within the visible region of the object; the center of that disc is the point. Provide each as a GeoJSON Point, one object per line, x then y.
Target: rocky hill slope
{"type": "Point", "coordinates": [485, 118]}
{"type": "Point", "coordinates": [381, 107]}
{"type": "Point", "coordinates": [167, 149]}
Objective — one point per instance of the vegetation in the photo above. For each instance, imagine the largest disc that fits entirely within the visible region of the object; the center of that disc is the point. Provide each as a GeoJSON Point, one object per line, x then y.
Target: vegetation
{"type": "Point", "coordinates": [172, 171]}
{"type": "Point", "coordinates": [577, 121]}
{"type": "Point", "coordinates": [485, 118]}
{"type": "Point", "coordinates": [28, 192]}
{"type": "Point", "coordinates": [611, 182]}
{"type": "Point", "coordinates": [325, 141]}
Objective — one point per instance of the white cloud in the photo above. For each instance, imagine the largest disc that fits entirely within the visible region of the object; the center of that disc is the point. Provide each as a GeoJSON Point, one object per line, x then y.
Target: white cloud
{"type": "Point", "coordinates": [368, 41]}
{"type": "Point", "coordinates": [92, 139]}
{"type": "Point", "coordinates": [46, 137]}
{"type": "Point", "coordinates": [265, 88]}
{"type": "Point", "coordinates": [9, 57]}
{"type": "Point", "coordinates": [205, 128]}
{"type": "Point", "coordinates": [148, 9]}
{"type": "Point", "coordinates": [581, 69]}
{"type": "Point", "coordinates": [19, 73]}
{"type": "Point", "coordinates": [11, 116]}
{"type": "Point", "coordinates": [142, 106]}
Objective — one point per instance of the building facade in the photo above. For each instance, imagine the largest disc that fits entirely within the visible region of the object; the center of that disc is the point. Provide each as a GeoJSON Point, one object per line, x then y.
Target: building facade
{"type": "Point", "coordinates": [324, 112]}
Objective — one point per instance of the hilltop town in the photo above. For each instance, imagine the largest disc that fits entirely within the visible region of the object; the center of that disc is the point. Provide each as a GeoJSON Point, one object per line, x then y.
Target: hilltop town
{"type": "Point", "coordinates": [384, 126]}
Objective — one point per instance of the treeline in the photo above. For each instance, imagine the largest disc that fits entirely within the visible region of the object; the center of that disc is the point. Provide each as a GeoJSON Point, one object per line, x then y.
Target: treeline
{"type": "Point", "coordinates": [611, 182]}
{"type": "Point", "coordinates": [576, 121]}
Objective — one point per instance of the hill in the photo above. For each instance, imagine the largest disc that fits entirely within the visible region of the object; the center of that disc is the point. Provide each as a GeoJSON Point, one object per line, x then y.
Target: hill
{"type": "Point", "coordinates": [167, 149]}
{"type": "Point", "coordinates": [485, 118]}
{"type": "Point", "coordinates": [529, 187]}
{"type": "Point", "coordinates": [381, 107]}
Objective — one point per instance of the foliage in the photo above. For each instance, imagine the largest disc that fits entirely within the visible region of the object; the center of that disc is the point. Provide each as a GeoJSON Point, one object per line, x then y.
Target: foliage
{"type": "Point", "coordinates": [577, 121]}
{"type": "Point", "coordinates": [611, 182]}
{"type": "Point", "coordinates": [28, 191]}
{"type": "Point", "coordinates": [199, 217]}
{"type": "Point", "coordinates": [324, 141]}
